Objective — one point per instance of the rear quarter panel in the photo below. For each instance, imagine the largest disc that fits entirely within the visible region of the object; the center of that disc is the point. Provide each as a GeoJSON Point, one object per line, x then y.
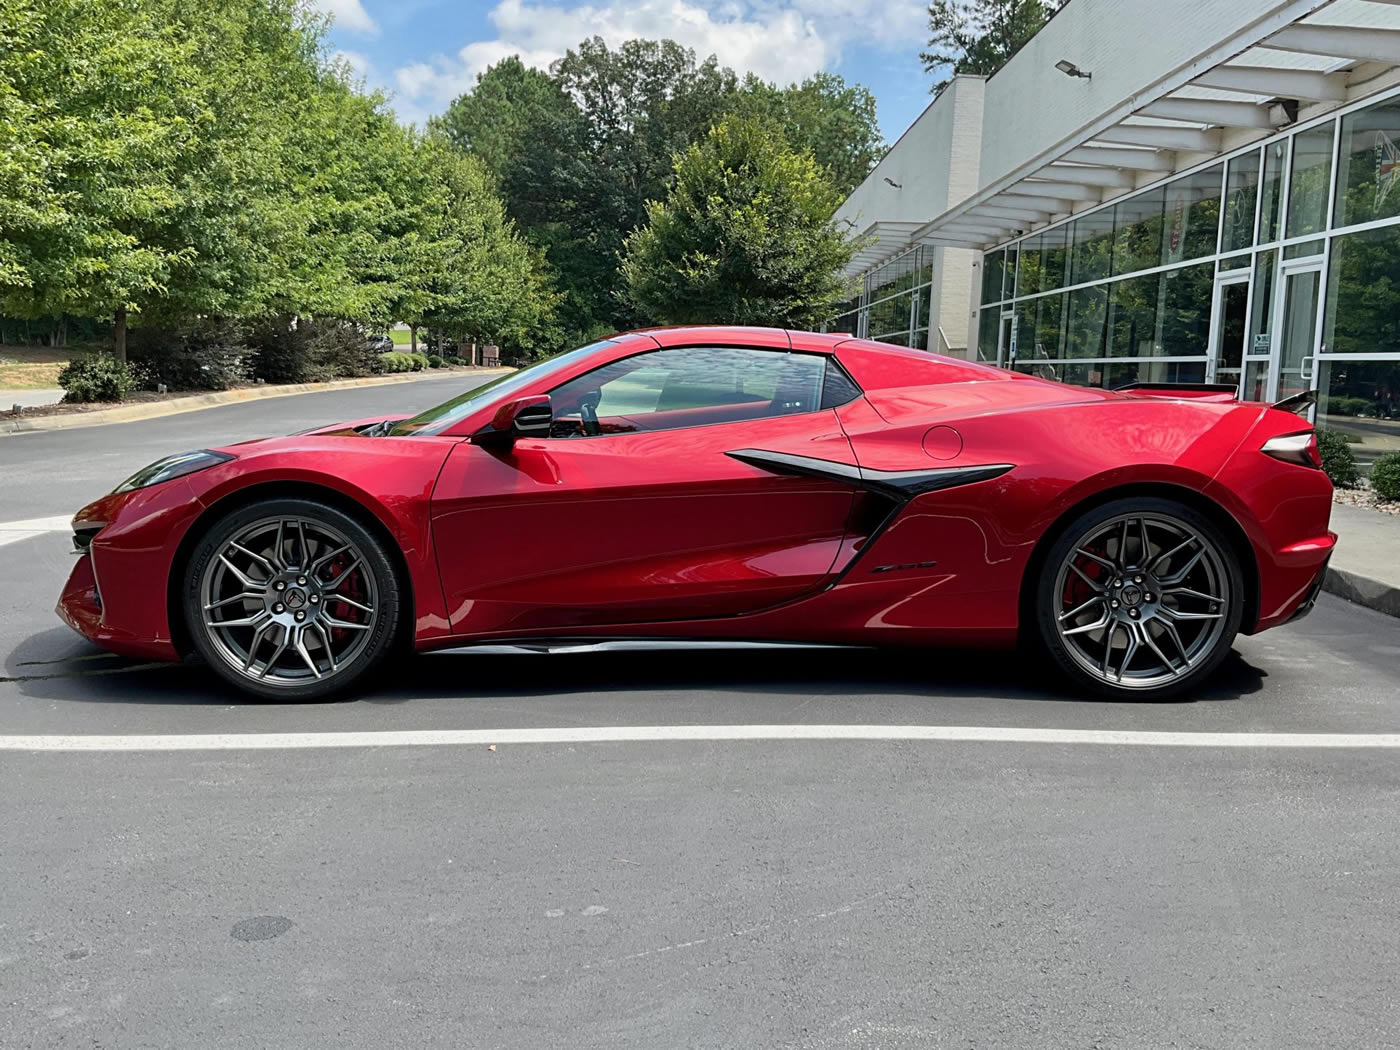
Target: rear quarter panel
{"type": "Point", "coordinates": [1065, 449]}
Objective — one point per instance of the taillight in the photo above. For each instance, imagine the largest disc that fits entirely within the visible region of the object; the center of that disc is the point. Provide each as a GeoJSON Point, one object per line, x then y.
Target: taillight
{"type": "Point", "coordinates": [1295, 448]}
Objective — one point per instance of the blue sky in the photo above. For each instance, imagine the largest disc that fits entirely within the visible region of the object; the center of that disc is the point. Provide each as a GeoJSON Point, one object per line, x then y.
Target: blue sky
{"type": "Point", "coordinates": [425, 52]}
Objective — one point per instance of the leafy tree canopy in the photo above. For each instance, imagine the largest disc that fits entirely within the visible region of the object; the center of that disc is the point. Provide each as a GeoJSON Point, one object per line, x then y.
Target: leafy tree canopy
{"type": "Point", "coordinates": [745, 235]}
{"type": "Point", "coordinates": [980, 36]}
{"type": "Point", "coordinates": [579, 151]}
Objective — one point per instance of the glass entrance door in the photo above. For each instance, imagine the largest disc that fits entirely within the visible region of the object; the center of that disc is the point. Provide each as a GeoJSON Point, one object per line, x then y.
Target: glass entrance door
{"type": "Point", "coordinates": [1227, 339]}
{"type": "Point", "coordinates": [1297, 332]}
{"type": "Point", "coordinates": [1006, 343]}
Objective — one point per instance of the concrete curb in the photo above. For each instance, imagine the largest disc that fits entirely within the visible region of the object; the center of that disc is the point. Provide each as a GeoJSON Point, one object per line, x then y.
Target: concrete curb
{"type": "Point", "coordinates": [175, 406]}
{"type": "Point", "coordinates": [1363, 591]}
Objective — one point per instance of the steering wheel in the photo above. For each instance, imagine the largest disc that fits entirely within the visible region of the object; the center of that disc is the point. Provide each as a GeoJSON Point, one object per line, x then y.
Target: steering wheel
{"type": "Point", "coordinates": [588, 413]}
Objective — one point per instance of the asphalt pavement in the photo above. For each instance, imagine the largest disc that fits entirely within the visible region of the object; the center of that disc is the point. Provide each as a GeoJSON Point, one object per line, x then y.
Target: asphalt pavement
{"type": "Point", "coordinates": [814, 893]}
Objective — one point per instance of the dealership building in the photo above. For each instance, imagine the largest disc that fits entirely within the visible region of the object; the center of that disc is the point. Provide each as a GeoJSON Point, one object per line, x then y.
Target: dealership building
{"type": "Point", "coordinates": [1158, 191]}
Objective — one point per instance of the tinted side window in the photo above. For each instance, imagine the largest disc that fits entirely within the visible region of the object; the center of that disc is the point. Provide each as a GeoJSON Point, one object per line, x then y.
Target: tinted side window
{"type": "Point", "coordinates": [838, 388]}
{"type": "Point", "coordinates": [687, 387]}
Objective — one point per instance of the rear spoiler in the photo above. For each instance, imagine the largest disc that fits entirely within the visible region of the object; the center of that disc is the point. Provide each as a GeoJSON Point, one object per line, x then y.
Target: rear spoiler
{"type": "Point", "coordinates": [1298, 404]}
{"type": "Point", "coordinates": [1195, 391]}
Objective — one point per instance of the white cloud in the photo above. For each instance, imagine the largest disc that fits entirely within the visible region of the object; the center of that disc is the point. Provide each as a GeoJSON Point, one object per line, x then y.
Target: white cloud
{"type": "Point", "coordinates": [779, 40]}
{"type": "Point", "coordinates": [349, 14]}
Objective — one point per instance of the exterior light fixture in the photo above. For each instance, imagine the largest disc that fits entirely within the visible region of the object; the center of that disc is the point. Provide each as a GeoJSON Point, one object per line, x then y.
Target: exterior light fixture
{"type": "Point", "coordinates": [896, 185]}
{"type": "Point", "coordinates": [1069, 69]}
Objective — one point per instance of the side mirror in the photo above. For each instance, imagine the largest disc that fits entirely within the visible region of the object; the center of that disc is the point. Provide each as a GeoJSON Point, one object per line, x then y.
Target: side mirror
{"type": "Point", "coordinates": [523, 417]}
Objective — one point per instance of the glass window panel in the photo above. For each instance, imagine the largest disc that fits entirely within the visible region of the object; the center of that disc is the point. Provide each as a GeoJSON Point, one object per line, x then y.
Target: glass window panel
{"type": "Point", "coordinates": [1133, 327]}
{"type": "Point", "coordinates": [1092, 251]}
{"type": "Point", "coordinates": [1028, 267]}
{"type": "Point", "coordinates": [993, 267]}
{"type": "Point", "coordinates": [1363, 293]}
{"type": "Point", "coordinates": [1087, 331]}
{"type": "Point", "coordinates": [988, 325]}
{"type": "Point", "coordinates": [1263, 303]}
{"type": "Point", "coordinates": [1256, 381]}
{"type": "Point", "coordinates": [1302, 251]}
{"type": "Point", "coordinates": [1050, 325]}
{"type": "Point", "coordinates": [1310, 181]}
{"type": "Point", "coordinates": [1183, 323]}
{"type": "Point", "coordinates": [1238, 262]}
{"type": "Point", "coordinates": [1025, 328]}
{"type": "Point", "coordinates": [1137, 232]}
{"type": "Point", "coordinates": [1368, 164]}
{"type": "Point", "coordinates": [1272, 190]}
{"type": "Point", "coordinates": [1193, 215]}
{"type": "Point", "coordinates": [1241, 194]}
{"type": "Point", "coordinates": [1361, 401]}
{"type": "Point", "coordinates": [1054, 255]}
{"type": "Point", "coordinates": [713, 385]}
{"type": "Point", "coordinates": [1008, 290]}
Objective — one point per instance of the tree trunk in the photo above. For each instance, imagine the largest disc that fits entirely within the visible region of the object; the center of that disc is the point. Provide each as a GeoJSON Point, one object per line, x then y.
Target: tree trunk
{"type": "Point", "coordinates": [119, 334]}
{"type": "Point", "coordinates": [413, 337]}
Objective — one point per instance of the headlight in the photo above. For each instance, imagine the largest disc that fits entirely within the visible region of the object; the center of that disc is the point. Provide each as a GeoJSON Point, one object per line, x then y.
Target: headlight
{"type": "Point", "coordinates": [172, 467]}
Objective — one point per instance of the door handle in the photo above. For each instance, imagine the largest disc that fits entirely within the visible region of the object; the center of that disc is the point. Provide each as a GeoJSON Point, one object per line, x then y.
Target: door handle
{"type": "Point", "coordinates": [1305, 369]}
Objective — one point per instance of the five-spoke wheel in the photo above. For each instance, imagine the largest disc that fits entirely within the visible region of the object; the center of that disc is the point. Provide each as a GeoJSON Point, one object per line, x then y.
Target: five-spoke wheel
{"type": "Point", "coordinates": [291, 599]}
{"type": "Point", "coordinates": [1140, 597]}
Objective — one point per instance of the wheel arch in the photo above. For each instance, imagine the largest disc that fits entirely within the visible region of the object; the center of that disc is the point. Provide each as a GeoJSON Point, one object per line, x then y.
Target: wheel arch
{"type": "Point", "coordinates": [264, 490]}
{"type": "Point", "coordinates": [1222, 518]}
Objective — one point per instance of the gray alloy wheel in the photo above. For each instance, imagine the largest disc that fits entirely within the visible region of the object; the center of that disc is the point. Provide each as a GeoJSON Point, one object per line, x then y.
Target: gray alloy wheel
{"type": "Point", "coordinates": [1140, 598]}
{"type": "Point", "coordinates": [291, 599]}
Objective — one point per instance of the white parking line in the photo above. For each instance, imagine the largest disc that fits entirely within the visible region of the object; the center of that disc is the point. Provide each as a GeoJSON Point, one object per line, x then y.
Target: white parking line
{"type": "Point", "coordinates": [692, 733]}
{"type": "Point", "coordinates": [14, 531]}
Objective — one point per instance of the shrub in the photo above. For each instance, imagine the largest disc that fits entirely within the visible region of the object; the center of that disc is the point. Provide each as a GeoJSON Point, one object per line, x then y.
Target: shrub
{"type": "Point", "coordinates": [212, 356]}
{"type": "Point", "coordinates": [297, 350]}
{"type": "Point", "coordinates": [1385, 477]}
{"type": "Point", "coordinates": [1349, 406]}
{"type": "Point", "coordinates": [1337, 459]}
{"type": "Point", "coordinates": [418, 362]}
{"type": "Point", "coordinates": [434, 361]}
{"type": "Point", "coordinates": [337, 349]}
{"type": "Point", "coordinates": [396, 362]}
{"type": "Point", "coordinates": [100, 377]}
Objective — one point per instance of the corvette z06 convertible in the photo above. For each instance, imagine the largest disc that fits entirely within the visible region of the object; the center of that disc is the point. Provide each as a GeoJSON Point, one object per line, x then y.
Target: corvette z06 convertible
{"type": "Point", "coordinates": [725, 484]}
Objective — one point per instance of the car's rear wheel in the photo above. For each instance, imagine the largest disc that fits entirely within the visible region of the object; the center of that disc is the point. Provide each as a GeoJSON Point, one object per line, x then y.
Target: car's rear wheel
{"type": "Point", "coordinates": [1140, 598]}
{"type": "Point", "coordinates": [291, 599]}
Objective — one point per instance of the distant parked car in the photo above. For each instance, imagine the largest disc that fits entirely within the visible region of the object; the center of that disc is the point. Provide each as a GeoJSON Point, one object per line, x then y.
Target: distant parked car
{"type": "Point", "coordinates": [380, 344]}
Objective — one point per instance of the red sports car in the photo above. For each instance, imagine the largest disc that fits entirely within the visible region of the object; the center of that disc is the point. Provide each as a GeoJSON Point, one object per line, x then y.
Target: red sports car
{"type": "Point", "coordinates": [725, 484]}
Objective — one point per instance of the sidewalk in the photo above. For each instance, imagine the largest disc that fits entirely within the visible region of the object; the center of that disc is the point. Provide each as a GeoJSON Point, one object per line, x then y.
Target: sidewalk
{"type": "Point", "coordinates": [29, 398]}
{"type": "Point", "coordinates": [1365, 566]}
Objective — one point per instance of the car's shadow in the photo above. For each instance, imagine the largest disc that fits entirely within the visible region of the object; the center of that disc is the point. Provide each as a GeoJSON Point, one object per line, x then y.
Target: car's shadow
{"type": "Point", "coordinates": [54, 665]}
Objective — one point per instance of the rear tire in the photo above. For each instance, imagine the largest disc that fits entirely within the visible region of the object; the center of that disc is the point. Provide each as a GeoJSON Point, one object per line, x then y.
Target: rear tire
{"type": "Point", "coordinates": [291, 599]}
{"type": "Point", "coordinates": [1139, 599]}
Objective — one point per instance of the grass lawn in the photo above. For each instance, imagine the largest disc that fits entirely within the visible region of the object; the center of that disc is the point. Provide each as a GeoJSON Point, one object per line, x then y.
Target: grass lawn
{"type": "Point", "coordinates": [401, 337]}
{"type": "Point", "coordinates": [32, 367]}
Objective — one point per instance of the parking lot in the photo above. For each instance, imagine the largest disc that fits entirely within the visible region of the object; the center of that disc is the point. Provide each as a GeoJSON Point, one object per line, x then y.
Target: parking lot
{"type": "Point", "coordinates": [469, 887]}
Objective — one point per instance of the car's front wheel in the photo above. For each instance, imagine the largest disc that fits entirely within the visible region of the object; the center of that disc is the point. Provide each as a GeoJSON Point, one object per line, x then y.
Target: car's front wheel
{"type": "Point", "coordinates": [291, 599]}
{"type": "Point", "coordinates": [1140, 598]}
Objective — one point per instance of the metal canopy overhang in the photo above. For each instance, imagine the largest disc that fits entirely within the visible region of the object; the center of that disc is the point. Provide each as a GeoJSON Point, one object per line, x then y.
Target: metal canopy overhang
{"type": "Point", "coordinates": [1307, 52]}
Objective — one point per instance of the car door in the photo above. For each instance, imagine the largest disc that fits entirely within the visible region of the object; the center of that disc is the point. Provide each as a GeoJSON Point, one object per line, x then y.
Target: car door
{"type": "Point", "coordinates": [633, 511]}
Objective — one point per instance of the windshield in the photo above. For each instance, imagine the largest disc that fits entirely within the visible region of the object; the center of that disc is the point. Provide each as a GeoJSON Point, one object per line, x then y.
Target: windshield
{"type": "Point", "coordinates": [436, 420]}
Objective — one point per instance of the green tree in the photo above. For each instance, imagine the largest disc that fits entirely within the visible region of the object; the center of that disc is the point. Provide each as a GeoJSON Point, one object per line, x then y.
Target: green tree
{"type": "Point", "coordinates": [980, 36]}
{"type": "Point", "coordinates": [154, 120]}
{"type": "Point", "coordinates": [824, 115]}
{"type": "Point", "coordinates": [745, 236]}
{"type": "Point", "coordinates": [579, 152]}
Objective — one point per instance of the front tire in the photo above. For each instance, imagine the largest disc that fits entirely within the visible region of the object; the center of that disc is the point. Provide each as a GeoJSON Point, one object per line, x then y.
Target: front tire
{"type": "Point", "coordinates": [1139, 599]}
{"type": "Point", "coordinates": [291, 599]}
